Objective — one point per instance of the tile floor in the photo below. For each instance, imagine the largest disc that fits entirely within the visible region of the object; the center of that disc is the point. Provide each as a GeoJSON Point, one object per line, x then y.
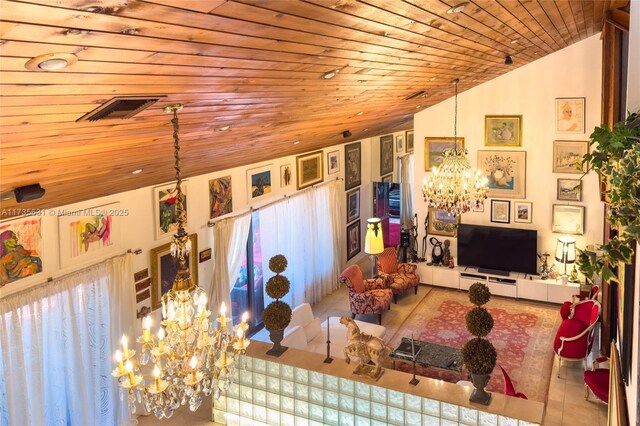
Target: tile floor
{"type": "Point", "coordinates": [565, 401]}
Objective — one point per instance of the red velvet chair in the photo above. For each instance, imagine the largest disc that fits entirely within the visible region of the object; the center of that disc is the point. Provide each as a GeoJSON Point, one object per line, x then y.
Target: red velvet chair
{"type": "Point", "coordinates": [508, 388]}
{"type": "Point", "coordinates": [371, 296]}
{"type": "Point", "coordinates": [401, 276]}
{"type": "Point", "coordinates": [574, 338]}
{"type": "Point", "coordinates": [597, 379]}
{"type": "Point", "coordinates": [565, 309]}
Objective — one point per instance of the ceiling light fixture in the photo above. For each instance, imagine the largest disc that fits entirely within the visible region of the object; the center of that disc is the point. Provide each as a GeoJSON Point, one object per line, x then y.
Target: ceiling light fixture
{"type": "Point", "coordinates": [51, 62]}
{"type": "Point", "coordinates": [457, 8]}
{"type": "Point", "coordinates": [454, 186]}
{"type": "Point", "coordinates": [418, 106]}
{"type": "Point", "coordinates": [508, 60]}
{"type": "Point", "coordinates": [432, 79]}
{"type": "Point", "coordinates": [360, 113]}
{"type": "Point", "coordinates": [346, 134]}
{"type": "Point", "coordinates": [223, 128]}
{"type": "Point", "coordinates": [296, 142]}
{"type": "Point", "coordinates": [195, 359]}
{"type": "Point", "coordinates": [136, 172]}
{"type": "Point", "coordinates": [330, 74]}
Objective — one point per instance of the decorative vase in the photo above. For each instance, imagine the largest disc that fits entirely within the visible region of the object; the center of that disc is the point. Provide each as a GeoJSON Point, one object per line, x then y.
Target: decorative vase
{"type": "Point", "coordinates": [276, 337]}
{"type": "Point", "coordinates": [479, 395]}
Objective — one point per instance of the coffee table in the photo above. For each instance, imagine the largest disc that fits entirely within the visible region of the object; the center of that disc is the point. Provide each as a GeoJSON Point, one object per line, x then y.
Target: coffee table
{"type": "Point", "coordinates": [429, 355]}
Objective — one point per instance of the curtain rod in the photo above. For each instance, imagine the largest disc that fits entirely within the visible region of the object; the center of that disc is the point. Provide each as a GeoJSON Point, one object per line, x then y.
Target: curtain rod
{"type": "Point", "coordinates": [252, 209]}
{"type": "Point", "coordinates": [404, 155]}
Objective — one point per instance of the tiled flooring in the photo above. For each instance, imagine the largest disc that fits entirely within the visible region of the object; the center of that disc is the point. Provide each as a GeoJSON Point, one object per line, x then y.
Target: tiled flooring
{"type": "Point", "coordinates": [565, 406]}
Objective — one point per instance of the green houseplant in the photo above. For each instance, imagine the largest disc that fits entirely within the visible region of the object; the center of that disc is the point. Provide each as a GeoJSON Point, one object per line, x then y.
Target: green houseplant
{"type": "Point", "coordinates": [615, 155]}
{"type": "Point", "coordinates": [478, 354]}
{"type": "Point", "coordinates": [277, 315]}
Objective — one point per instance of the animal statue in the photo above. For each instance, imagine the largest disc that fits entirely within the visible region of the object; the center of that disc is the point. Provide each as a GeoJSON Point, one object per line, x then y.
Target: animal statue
{"type": "Point", "coordinates": [366, 348]}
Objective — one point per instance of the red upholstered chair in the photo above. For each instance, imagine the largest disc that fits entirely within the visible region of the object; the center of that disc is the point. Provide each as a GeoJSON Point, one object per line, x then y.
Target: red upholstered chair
{"type": "Point", "coordinates": [508, 388]}
{"type": "Point", "coordinates": [597, 379]}
{"type": "Point", "coordinates": [565, 309]}
{"type": "Point", "coordinates": [574, 338]}
{"type": "Point", "coordinates": [401, 276]}
{"type": "Point", "coordinates": [371, 296]}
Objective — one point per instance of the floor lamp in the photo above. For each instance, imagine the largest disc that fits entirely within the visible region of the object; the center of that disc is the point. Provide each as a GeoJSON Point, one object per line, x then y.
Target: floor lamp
{"type": "Point", "coordinates": [373, 244]}
{"type": "Point", "coordinates": [566, 253]}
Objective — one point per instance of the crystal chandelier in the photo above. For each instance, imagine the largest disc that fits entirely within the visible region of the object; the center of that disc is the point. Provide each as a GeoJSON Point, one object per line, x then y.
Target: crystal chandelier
{"type": "Point", "coordinates": [188, 358]}
{"type": "Point", "coordinates": [454, 186]}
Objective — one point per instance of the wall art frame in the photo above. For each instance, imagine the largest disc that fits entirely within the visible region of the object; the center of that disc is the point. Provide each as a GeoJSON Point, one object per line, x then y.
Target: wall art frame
{"type": "Point", "coordinates": [570, 115]}
{"type": "Point", "coordinates": [506, 172]}
{"type": "Point", "coordinates": [408, 146]}
{"type": "Point", "coordinates": [500, 211]}
{"type": "Point", "coordinates": [352, 165]}
{"type": "Point", "coordinates": [26, 252]}
{"type": "Point", "coordinates": [259, 183]}
{"type": "Point", "coordinates": [353, 205]}
{"type": "Point", "coordinates": [440, 223]}
{"type": "Point", "coordinates": [333, 162]}
{"type": "Point", "coordinates": [434, 148]}
{"type": "Point", "coordinates": [503, 130]}
{"type": "Point", "coordinates": [569, 190]}
{"type": "Point", "coordinates": [568, 219]}
{"type": "Point", "coordinates": [164, 269]}
{"type": "Point", "coordinates": [567, 155]}
{"type": "Point", "coordinates": [220, 197]}
{"type": "Point", "coordinates": [309, 169]}
{"type": "Point", "coordinates": [165, 201]}
{"type": "Point", "coordinates": [522, 212]}
{"type": "Point", "coordinates": [354, 242]}
{"type": "Point", "coordinates": [386, 154]}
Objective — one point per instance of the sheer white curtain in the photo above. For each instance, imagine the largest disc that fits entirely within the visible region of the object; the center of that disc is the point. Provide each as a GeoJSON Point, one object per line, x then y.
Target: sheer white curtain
{"type": "Point", "coordinates": [406, 185]}
{"type": "Point", "coordinates": [56, 346]}
{"type": "Point", "coordinates": [229, 246]}
{"type": "Point", "coordinates": [303, 228]}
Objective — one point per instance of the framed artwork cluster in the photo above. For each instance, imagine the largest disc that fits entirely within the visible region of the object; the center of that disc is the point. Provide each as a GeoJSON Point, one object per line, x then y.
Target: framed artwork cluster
{"type": "Point", "coordinates": [352, 181]}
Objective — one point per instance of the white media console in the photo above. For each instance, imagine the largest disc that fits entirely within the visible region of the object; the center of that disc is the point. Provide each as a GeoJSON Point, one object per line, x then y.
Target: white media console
{"type": "Point", "coordinates": [516, 285]}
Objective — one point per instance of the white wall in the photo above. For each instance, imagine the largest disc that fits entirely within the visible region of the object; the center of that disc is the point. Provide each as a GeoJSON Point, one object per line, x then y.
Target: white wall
{"type": "Point", "coordinates": [529, 91]}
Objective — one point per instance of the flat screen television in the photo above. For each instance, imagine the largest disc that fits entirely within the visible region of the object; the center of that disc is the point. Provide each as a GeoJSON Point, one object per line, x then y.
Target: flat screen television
{"type": "Point", "coordinates": [498, 249]}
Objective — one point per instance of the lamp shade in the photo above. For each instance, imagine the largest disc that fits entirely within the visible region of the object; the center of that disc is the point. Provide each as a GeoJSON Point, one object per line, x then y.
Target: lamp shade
{"type": "Point", "coordinates": [373, 243]}
{"type": "Point", "coordinates": [566, 250]}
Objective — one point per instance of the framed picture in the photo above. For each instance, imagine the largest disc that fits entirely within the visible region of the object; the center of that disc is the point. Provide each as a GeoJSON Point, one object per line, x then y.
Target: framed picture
{"type": "Point", "coordinates": [503, 130]}
{"type": "Point", "coordinates": [164, 269]}
{"type": "Point", "coordinates": [567, 155]}
{"type": "Point", "coordinates": [568, 219]}
{"type": "Point", "coordinates": [165, 197]}
{"type": "Point", "coordinates": [387, 178]}
{"type": "Point", "coordinates": [570, 115]}
{"type": "Point", "coordinates": [204, 255]}
{"type": "Point", "coordinates": [353, 239]}
{"type": "Point", "coordinates": [434, 149]}
{"type": "Point", "coordinates": [353, 165]}
{"type": "Point", "coordinates": [21, 247]}
{"type": "Point", "coordinates": [505, 171]}
{"type": "Point", "coordinates": [220, 197]}
{"type": "Point", "coordinates": [309, 169]}
{"type": "Point", "coordinates": [285, 175]}
{"type": "Point", "coordinates": [333, 162]}
{"type": "Point", "coordinates": [259, 182]}
{"type": "Point", "coordinates": [500, 211]}
{"type": "Point", "coordinates": [569, 190]}
{"type": "Point", "coordinates": [91, 236]}
{"type": "Point", "coordinates": [617, 414]}
{"type": "Point", "coordinates": [400, 143]}
{"type": "Point", "coordinates": [522, 211]}
{"type": "Point", "coordinates": [353, 205]}
{"type": "Point", "coordinates": [386, 154]}
{"type": "Point", "coordinates": [440, 223]}
{"type": "Point", "coordinates": [409, 144]}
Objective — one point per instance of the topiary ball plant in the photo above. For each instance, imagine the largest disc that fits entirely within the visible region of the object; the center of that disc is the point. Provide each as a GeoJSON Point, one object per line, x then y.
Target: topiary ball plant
{"type": "Point", "coordinates": [479, 321]}
{"type": "Point", "coordinates": [479, 356]}
{"type": "Point", "coordinates": [277, 315]}
{"type": "Point", "coordinates": [479, 294]}
{"type": "Point", "coordinates": [277, 286]}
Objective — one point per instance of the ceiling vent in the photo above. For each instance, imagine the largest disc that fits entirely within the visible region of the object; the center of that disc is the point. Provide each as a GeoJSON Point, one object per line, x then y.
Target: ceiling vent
{"type": "Point", "coordinates": [121, 107]}
{"type": "Point", "coordinates": [415, 95]}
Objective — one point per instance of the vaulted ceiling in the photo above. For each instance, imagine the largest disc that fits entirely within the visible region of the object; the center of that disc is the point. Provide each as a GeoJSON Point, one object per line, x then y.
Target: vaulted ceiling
{"type": "Point", "coordinates": [256, 66]}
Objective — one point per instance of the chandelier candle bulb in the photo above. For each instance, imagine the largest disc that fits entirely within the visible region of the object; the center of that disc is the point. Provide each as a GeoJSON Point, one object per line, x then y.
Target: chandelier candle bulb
{"type": "Point", "coordinates": [125, 347]}
{"type": "Point", "coordinates": [193, 364]}
{"type": "Point", "coordinates": [156, 375]}
{"type": "Point", "coordinates": [119, 361]}
{"type": "Point", "coordinates": [222, 319]}
{"type": "Point", "coordinates": [161, 340]}
{"type": "Point", "coordinates": [146, 329]}
{"type": "Point", "coordinates": [132, 377]}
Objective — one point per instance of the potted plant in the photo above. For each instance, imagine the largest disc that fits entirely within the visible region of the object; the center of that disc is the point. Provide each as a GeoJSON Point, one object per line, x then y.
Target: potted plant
{"type": "Point", "coordinates": [478, 354]}
{"type": "Point", "coordinates": [277, 315]}
{"type": "Point", "coordinates": [615, 155]}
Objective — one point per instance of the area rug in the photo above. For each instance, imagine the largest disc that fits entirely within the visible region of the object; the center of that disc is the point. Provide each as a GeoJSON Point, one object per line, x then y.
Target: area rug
{"type": "Point", "coordinates": [523, 335]}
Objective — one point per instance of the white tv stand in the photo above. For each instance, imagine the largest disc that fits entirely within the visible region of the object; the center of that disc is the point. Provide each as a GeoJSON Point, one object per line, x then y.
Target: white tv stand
{"type": "Point", "coordinates": [516, 284]}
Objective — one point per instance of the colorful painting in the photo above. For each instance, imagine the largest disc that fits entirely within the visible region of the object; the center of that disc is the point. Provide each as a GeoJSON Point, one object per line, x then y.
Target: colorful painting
{"type": "Point", "coordinates": [164, 269]}
{"type": "Point", "coordinates": [91, 235]}
{"type": "Point", "coordinates": [434, 149]}
{"type": "Point", "coordinates": [502, 130]}
{"type": "Point", "coordinates": [259, 181]}
{"type": "Point", "coordinates": [505, 171]}
{"type": "Point", "coordinates": [441, 223]}
{"type": "Point", "coordinates": [567, 156]}
{"type": "Point", "coordinates": [166, 219]}
{"type": "Point", "coordinates": [310, 169]}
{"type": "Point", "coordinates": [570, 115]}
{"type": "Point", "coordinates": [353, 165]}
{"type": "Point", "coordinates": [386, 154]}
{"type": "Point", "coordinates": [220, 197]}
{"type": "Point", "coordinates": [20, 250]}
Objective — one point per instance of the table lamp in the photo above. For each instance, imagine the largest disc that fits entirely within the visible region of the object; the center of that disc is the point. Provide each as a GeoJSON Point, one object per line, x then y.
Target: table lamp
{"type": "Point", "coordinates": [566, 252]}
{"type": "Point", "coordinates": [373, 244]}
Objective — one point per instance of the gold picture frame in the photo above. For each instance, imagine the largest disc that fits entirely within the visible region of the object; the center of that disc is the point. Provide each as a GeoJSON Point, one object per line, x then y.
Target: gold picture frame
{"type": "Point", "coordinates": [503, 130]}
{"type": "Point", "coordinates": [309, 169]}
{"type": "Point", "coordinates": [434, 149]}
{"type": "Point", "coordinates": [617, 410]}
{"type": "Point", "coordinates": [440, 223]}
{"type": "Point", "coordinates": [163, 269]}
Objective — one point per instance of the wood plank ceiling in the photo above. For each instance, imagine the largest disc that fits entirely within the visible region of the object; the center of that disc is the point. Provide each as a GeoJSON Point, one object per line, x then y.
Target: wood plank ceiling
{"type": "Point", "coordinates": [256, 66]}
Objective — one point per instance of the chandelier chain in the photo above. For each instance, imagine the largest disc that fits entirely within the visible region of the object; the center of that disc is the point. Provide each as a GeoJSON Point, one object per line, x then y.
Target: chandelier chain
{"type": "Point", "coordinates": [176, 156]}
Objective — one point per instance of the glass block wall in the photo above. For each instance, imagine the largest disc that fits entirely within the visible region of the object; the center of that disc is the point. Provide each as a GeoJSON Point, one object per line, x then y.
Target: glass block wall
{"type": "Point", "coordinates": [269, 393]}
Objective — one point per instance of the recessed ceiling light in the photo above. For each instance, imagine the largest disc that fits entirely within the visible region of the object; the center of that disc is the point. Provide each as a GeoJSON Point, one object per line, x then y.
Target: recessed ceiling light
{"type": "Point", "coordinates": [51, 62]}
{"type": "Point", "coordinates": [365, 130]}
{"type": "Point", "coordinates": [223, 128]}
{"type": "Point", "coordinates": [136, 172]}
{"type": "Point", "coordinates": [360, 113]}
{"type": "Point", "coordinates": [330, 74]}
{"type": "Point", "coordinates": [458, 8]}
{"type": "Point", "coordinates": [514, 41]}
{"type": "Point", "coordinates": [432, 79]}
{"type": "Point", "coordinates": [418, 106]}
{"type": "Point", "coordinates": [296, 142]}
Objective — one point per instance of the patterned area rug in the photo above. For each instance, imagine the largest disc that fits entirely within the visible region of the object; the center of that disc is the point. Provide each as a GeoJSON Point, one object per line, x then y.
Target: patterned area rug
{"type": "Point", "coordinates": [522, 334]}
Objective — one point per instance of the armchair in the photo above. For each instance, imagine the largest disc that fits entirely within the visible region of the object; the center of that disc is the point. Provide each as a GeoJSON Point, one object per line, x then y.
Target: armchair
{"type": "Point", "coordinates": [401, 276]}
{"type": "Point", "coordinates": [508, 388]}
{"type": "Point", "coordinates": [567, 307]}
{"type": "Point", "coordinates": [597, 379]}
{"type": "Point", "coordinates": [369, 296]}
{"type": "Point", "coordinates": [574, 338]}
